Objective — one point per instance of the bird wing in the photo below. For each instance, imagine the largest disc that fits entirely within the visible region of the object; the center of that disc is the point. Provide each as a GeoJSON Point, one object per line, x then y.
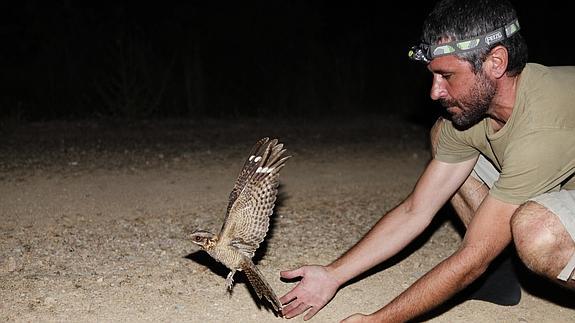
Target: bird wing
{"type": "Point", "coordinates": [253, 197]}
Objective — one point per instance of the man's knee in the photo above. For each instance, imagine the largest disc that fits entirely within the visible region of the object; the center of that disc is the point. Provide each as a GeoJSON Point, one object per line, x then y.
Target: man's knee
{"type": "Point", "coordinates": [530, 234]}
{"type": "Point", "coordinates": [434, 134]}
{"type": "Point", "coordinates": [536, 234]}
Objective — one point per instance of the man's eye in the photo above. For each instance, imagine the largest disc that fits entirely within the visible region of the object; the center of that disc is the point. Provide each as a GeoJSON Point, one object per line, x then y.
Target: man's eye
{"type": "Point", "coordinates": [446, 76]}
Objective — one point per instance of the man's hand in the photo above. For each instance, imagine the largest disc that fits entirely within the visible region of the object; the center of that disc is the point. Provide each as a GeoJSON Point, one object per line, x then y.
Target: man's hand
{"type": "Point", "coordinates": [316, 288]}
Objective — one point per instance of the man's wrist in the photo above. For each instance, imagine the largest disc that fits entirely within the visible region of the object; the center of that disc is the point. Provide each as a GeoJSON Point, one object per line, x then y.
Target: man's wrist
{"type": "Point", "coordinates": [336, 274]}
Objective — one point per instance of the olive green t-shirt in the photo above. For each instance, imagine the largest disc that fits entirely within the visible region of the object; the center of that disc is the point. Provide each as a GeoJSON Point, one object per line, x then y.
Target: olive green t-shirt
{"type": "Point", "coordinates": [535, 150]}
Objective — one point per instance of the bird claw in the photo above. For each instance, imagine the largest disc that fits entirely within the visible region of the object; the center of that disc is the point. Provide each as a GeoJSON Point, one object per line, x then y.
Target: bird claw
{"type": "Point", "coordinates": [230, 281]}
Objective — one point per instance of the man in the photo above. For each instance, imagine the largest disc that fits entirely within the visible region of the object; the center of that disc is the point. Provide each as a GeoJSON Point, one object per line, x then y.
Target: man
{"type": "Point", "coordinates": [506, 159]}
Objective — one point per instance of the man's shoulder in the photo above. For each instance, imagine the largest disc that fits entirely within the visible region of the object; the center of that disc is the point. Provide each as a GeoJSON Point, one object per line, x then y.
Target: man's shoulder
{"type": "Point", "coordinates": [546, 95]}
{"type": "Point", "coordinates": [543, 68]}
{"type": "Point", "coordinates": [536, 74]}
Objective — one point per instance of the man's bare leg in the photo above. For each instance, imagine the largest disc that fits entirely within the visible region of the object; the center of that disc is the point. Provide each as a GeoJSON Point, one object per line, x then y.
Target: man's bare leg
{"type": "Point", "coordinates": [467, 200]}
{"type": "Point", "coordinates": [542, 242]}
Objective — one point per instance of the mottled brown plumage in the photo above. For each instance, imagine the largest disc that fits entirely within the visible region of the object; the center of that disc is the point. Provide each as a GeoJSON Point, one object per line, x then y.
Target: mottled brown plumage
{"type": "Point", "coordinates": [245, 226]}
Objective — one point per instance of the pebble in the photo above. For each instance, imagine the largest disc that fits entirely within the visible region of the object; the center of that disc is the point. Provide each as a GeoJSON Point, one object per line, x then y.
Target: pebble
{"type": "Point", "coordinates": [11, 265]}
{"type": "Point", "coordinates": [49, 300]}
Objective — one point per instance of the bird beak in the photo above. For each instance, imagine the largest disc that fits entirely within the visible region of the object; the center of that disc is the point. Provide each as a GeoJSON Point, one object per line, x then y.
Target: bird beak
{"type": "Point", "coordinates": [199, 245]}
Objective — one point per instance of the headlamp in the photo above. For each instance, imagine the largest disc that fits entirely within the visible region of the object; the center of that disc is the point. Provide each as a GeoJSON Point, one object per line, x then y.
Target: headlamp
{"type": "Point", "coordinates": [425, 52]}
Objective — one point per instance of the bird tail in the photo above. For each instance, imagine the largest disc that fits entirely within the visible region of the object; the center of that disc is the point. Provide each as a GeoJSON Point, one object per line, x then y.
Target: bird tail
{"type": "Point", "coordinates": [260, 285]}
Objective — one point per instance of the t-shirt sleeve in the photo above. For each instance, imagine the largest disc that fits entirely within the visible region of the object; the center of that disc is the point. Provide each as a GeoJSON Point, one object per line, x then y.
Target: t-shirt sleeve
{"type": "Point", "coordinates": [535, 164]}
{"type": "Point", "coordinates": [454, 146]}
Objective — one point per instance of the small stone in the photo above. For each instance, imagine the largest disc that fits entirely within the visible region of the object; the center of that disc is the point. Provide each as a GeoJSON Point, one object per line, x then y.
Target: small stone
{"type": "Point", "coordinates": [11, 265]}
{"type": "Point", "coordinates": [49, 300]}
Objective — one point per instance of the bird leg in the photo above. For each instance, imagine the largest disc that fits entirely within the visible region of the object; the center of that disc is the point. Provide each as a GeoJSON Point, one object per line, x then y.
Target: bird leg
{"type": "Point", "coordinates": [230, 280]}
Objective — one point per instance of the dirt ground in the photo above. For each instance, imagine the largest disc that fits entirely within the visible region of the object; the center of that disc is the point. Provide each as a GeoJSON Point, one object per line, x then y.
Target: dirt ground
{"type": "Point", "coordinates": [94, 218]}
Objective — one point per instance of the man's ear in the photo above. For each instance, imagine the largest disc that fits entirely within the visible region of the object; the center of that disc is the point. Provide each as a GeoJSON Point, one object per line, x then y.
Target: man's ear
{"type": "Point", "coordinates": [496, 62]}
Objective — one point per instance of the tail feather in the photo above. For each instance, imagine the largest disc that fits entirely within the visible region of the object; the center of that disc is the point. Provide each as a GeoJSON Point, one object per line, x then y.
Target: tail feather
{"type": "Point", "coordinates": [260, 285]}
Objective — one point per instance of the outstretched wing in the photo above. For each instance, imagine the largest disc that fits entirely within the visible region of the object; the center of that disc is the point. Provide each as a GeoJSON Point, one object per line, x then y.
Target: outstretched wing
{"type": "Point", "coordinates": [253, 197]}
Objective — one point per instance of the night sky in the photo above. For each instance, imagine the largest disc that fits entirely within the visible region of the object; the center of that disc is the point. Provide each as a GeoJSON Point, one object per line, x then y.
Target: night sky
{"type": "Point", "coordinates": [230, 59]}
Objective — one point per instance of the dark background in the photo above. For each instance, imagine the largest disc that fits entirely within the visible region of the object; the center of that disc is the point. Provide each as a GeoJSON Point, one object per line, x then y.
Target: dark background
{"type": "Point", "coordinates": [230, 59]}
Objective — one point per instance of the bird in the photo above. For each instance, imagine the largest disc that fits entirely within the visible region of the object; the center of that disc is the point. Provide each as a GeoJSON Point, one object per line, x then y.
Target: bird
{"type": "Point", "coordinates": [246, 223]}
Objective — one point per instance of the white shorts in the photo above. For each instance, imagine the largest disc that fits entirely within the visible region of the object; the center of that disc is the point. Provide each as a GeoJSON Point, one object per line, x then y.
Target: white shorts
{"type": "Point", "coordinates": [561, 203]}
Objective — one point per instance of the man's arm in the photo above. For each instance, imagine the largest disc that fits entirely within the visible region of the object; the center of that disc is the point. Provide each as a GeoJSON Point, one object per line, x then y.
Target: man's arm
{"type": "Point", "coordinates": [487, 235]}
{"type": "Point", "coordinates": [390, 234]}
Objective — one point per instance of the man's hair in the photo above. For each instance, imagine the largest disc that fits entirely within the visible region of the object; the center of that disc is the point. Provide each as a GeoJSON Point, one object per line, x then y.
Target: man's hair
{"type": "Point", "coordinates": [452, 20]}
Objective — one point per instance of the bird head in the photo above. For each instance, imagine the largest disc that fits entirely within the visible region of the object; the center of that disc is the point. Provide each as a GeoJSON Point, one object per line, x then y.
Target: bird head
{"type": "Point", "coordinates": [203, 238]}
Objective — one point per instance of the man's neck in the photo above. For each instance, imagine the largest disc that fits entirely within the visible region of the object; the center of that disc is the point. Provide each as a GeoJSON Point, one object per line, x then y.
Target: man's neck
{"type": "Point", "coordinates": [504, 101]}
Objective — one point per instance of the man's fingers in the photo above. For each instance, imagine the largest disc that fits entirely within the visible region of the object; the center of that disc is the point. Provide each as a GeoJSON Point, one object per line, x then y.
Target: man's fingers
{"type": "Point", "coordinates": [290, 307]}
{"type": "Point", "coordinates": [298, 300]}
{"type": "Point", "coordinates": [302, 307]}
{"type": "Point", "coordinates": [289, 274]}
{"type": "Point", "coordinates": [290, 296]}
{"type": "Point", "coordinates": [311, 313]}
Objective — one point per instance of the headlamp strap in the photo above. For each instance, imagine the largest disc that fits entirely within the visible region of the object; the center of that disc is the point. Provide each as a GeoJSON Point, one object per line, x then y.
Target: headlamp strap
{"type": "Point", "coordinates": [476, 42]}
{"type": "Point", "coordinates": [425, 53]}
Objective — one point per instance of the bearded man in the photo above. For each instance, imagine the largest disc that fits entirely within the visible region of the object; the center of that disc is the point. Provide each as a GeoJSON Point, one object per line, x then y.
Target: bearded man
{"type": "Point", "coordinates": [505, 160]}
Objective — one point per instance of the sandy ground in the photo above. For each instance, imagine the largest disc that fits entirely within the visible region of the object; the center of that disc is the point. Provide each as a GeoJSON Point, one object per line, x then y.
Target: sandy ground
{"type": "Point", "coordinates": [94, 219]}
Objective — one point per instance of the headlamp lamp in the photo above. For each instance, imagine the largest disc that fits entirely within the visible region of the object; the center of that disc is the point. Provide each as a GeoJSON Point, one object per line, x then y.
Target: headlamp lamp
{"type": "Point", "coordinates": [425, 52]}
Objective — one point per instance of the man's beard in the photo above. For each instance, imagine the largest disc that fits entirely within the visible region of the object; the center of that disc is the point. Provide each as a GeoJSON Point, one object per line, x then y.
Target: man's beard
{"type": "Point", "coordinates": [474, 105]}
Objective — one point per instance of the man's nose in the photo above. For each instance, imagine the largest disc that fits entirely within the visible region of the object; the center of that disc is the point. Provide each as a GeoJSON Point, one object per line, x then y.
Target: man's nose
{"type": "Point", "coordinates": [438, 90]}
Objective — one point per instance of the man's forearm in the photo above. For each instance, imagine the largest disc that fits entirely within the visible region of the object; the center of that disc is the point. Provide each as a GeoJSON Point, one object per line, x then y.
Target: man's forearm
{"type": "Point", "coordinates": [488, 234]}
{"type": "Point", "coordinates": [400, 226]}
{"type": "Point", "coordinates": [390, 234]}
{"type": "Point", "coordinates": [434, 288]}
